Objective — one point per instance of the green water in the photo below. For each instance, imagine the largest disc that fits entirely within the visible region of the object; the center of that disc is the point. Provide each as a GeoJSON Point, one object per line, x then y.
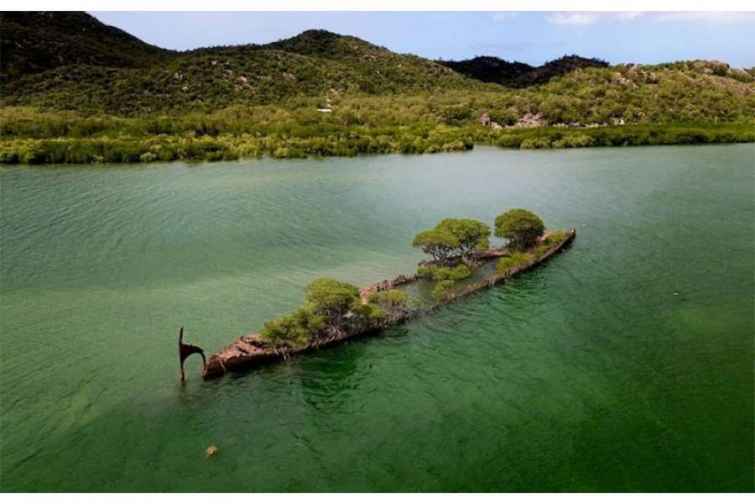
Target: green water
{"type": "Point", "coordinates": [624, 364]}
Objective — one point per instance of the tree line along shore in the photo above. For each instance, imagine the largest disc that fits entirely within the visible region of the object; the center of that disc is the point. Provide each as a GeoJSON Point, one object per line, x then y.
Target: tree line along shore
{"type": "Point", "coordinates": [32, 137]}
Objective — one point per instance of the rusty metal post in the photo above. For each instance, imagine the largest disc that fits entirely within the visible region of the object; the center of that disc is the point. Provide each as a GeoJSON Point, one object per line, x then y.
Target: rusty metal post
{"type": "Point", "coordinates": [185, 350]}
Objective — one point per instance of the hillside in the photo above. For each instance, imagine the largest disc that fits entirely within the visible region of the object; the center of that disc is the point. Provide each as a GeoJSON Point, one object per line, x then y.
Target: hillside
{"type": "Point", "coordinates": [88, 92]}
{"type": "Point", "coordinates": [32, 42]}
{"type": "Point", "coordinates": [516, 74]}
{"type": "Point", "coordinates": [83, 65]}
{"type": "Point", "coordinates": [143, 79]}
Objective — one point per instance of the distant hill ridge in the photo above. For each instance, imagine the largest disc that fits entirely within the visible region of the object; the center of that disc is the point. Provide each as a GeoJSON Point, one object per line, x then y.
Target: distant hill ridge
{"type": "Point", "coordinates": [82, 64]}
{"type": "Point", "coordinates": [516, 74]}
{"type": "Point", "coordinates": [32, 42]}
{"type": "Point", "coordinates": [72, 61]}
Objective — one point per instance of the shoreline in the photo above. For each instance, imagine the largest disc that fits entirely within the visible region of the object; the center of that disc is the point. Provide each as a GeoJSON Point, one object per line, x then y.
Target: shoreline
{"type": "Point", "coordinates": [146, 149]}
{"type": "Point", "coordinates": [247, 352]}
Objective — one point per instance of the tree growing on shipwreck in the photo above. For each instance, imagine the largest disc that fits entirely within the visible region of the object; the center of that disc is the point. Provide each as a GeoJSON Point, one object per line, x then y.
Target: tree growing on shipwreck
{"type": "Point", "coordinates": [520, 227]}
{"type": "Point", "coordinates": [452, 240]}
{"type": "Point", "coordinates": [453, 243]}
{"type": "Point", "coordinates": [335, 311]}
{"type": "Point", "coordinates": [330, 307]}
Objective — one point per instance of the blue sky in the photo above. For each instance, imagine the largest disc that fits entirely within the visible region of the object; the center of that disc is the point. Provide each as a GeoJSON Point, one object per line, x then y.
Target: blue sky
{"type": "Point", "coordinates": [531, 37]}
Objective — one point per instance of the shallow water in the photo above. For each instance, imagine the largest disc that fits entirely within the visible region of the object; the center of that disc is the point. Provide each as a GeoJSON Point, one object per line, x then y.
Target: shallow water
{"type": "Point", "coordinates": [624, 364]}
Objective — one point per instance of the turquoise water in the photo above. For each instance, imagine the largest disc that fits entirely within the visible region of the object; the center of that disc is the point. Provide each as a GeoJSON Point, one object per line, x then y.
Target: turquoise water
{"type": "Point", "coordinates": [625, 364]}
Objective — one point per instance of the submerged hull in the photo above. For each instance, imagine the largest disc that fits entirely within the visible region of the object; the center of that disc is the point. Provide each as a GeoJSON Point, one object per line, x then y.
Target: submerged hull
{"type": "Point", "coordinates": [250, 351]}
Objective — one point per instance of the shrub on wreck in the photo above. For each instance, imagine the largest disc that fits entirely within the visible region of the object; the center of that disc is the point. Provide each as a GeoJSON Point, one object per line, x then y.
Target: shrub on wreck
{"type": "Point", "coordinates": [328, 301]}
{"type": "Point", "coordinates": [459, 272]}
{"type": "Point", "coordinates": [331, 298]}
{"type": "Point", "coordinates": [365, 315]}
{"type": "Point", "coordinates": [442, 290]}
{"type": "Point", "coordinates": [294, 329]}
{"type": "Point", "coordinates": [512, 261]}
{"type": "Point", "coordinates": [391, 303]}
{"type": "Point", "coordinates": [554, 237]}
{"type": "Point", "coordinates": [520, 227]}
{"type": "Point", "coordinates": [392, 299]}
{"type": "Point", "coordinates": [440, 273]}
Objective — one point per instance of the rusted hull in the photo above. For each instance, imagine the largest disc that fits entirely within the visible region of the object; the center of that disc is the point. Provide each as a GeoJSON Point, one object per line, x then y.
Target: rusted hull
{"type": "Point", "coordinates": [246, 352]}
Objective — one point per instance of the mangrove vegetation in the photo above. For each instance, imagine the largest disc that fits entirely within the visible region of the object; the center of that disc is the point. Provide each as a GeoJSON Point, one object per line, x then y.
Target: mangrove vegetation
{"type": "Point", "coordinates": [77, 91]}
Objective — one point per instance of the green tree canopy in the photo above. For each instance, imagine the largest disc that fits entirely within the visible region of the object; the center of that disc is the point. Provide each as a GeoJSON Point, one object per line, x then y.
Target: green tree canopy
{"type": "Point", "coordinates": [330, 297]}
{"type": "Point", "coordinates": [296, 328]}
{"type": "Point", "coordinates": [439, 243]}
{"type": "Point", "coordinates": [453, 238]}
{"type": "Point", "coordinates": [521, 227]}
{"type": "Point", "coordinates": [471, 234]}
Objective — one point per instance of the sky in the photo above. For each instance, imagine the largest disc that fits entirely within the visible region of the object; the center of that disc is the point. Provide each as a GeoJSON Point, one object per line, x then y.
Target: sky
{"type": "Point", "coordinates": [530, 37]}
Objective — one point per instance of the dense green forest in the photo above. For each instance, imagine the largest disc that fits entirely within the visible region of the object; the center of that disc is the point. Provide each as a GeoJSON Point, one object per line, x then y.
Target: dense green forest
{"type": "Point", "coordinates": [88, 92]}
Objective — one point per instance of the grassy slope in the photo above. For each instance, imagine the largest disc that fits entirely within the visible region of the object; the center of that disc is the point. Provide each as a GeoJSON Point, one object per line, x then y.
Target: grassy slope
{"type": "Point", "coordinates": [229, 102]}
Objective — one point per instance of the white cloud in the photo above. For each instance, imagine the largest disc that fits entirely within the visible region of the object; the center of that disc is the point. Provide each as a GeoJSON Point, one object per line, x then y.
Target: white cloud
{"type": "Point", "coordinates": [588, 18]}
{"type": "Point", "coordinates": [573, 18]}
{"type": "Point", "coordinates": [502, 17]}
{"type": "Point", "coordinates": [628, 16]}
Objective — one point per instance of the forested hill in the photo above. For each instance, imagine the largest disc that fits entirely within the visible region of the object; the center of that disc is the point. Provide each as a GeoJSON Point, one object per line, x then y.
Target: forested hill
{"type": "Point", "coordinates": [516, 74]}
{"type": "Point", "coordinates": [81, 64]}
{"type": "Point", "coordinates": [53, 62]}
{"type": "Point", "coordinates": [32, 42]}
